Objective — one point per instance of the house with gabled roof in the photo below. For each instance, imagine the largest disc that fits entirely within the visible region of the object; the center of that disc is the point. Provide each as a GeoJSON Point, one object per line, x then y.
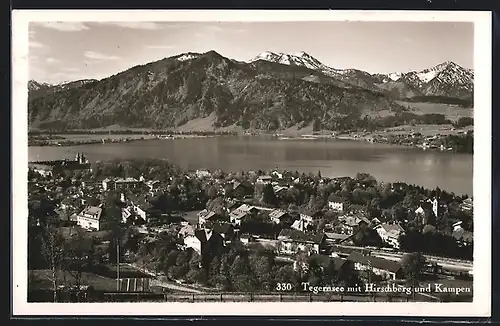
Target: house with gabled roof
{"type": "Point", "coordinates": [237, 215]}
{"type": "Point", "coordinates": [310, 216]}
{"type": "Point", "coordinates": [349, 223]}
{"type": "Point", "coordinates": [264, 179]}
{"type": "Point", "coordinates": [293, 241]}
{"type": "Point", "coordinates": [137, 205]}
{"type": "Point", "coordinates": [280, 190]}
{"type": "Point", "coordinates": [277, 215]}
{"type": "Point", "coordinates": [336, 204]}
{"type": "Point", "coordinates": [90, 218]}
{"type": "Point", "coordinates": [206, 216]}
{"type": "Point", "coordinates": [467, 205]}
{"type": "Point", "coordinates": [207, 243]}
{"type": "Point", "coordinates": [232, 205]}
{"type": "Point", "coordinates": [127, 183]}
{"type": "Point", "coordinates": [337, 237]}
{"type": "Point", "coordinates": [343, 267]}
{"type": "Point", "coordinates": [300, 225]}
{"type": "Point", "coordinates": [386, 269]}
{"type": "Point", "coordinates": [390, 233]}
{"type": "Point", "coordinates": [242, 188]}
{"type": "Point", "coordinates": [225, 229]}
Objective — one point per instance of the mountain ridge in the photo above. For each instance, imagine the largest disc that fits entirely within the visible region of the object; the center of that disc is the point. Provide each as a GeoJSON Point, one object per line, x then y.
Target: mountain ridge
{"type": "Point", "coordinates": [172, 91]}
{"type": "Point", "coordinates": [456, 80]}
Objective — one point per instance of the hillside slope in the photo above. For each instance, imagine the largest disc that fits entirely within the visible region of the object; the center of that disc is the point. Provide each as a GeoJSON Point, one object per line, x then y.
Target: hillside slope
{"type": "Point", "coordinates": [170, 92]}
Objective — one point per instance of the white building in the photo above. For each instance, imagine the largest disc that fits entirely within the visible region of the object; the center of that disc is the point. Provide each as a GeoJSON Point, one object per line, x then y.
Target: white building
{"type": "Point", "coordinates": [107, 184]}
{"type": "Point", "coordinates": [389, 233]}
{"type": "Point", "coordinates": [300, 225]}
{"type": "Point", "coordinates": [203, 174]}
{"type": "Point", "coordinates": [337, 206]}
{"type": "Point", "coordinates": [264, 179]}
{"type": "Point", "coordinates": [277, 174]}
{"type": "Point", "coordinates": [90, 218]}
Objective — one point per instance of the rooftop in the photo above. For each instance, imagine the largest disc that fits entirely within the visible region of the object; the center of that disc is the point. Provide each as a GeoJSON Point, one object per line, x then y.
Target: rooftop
{"type": "Point", "coordinates": [93, 211]}
{"type": "Point", "coordinates": [299, 236]}
{"type": "Point", "coordinates": [375, 262]}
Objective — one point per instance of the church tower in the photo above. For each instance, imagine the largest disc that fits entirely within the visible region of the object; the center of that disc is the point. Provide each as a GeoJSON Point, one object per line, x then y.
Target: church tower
{"type": "Point", "coordinates": [435, 206]}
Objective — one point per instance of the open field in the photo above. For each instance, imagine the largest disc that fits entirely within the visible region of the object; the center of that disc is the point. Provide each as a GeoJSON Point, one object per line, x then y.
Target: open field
{"type": "Point", "coordinates": [426, 130]}
{"type": "Point", "coordinates": [102, 278]}
{"type": "Point", "coordinates": [452, 112]}
{"type": "Point", "coordinates": [43, 279]}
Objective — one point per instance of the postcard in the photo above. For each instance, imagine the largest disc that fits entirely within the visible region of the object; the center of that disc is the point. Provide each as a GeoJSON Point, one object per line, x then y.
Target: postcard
{"type": "Point", "coordinates": [287, 163]}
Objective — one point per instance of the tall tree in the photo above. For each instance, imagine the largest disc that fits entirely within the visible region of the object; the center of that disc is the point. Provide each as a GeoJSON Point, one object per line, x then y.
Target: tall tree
{"type": "Point", "coordinates": [268, 195]}
{"type": "Point", "coordinates": [79, 256]}
{"type": "Point", "coordinates": [53, 252]}
{"type": "Point", "coordinates": [413, 265]}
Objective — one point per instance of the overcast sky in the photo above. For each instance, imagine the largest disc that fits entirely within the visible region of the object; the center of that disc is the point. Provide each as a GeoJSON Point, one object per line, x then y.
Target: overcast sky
{"type": "Point", "coordinates": [72, 50]}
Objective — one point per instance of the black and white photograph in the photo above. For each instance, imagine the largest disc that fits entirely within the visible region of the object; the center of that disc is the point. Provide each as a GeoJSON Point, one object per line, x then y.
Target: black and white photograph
{"type": "Point", "coordinates": [227, 160]}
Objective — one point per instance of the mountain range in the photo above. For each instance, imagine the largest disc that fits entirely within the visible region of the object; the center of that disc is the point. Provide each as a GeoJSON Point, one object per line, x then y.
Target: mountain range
{"type": "Point", "coordinates": [271, 91]}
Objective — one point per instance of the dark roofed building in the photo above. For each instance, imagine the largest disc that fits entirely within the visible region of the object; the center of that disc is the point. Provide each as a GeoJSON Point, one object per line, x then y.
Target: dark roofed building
{"type": "Point", "coordinates": [232, 205]}
{"type": "Point", "coordinates": [226, 230]}
{"type": "Point", "coordinates": [127, 183]}
{"type": "Point", "coordinates": [293, 241]}
{"type": "Point", "coordinates": [278, 215]}
{"type": "Point", "coordinates": [206, 216]}
{"type": "Point", "coordinates": [386, 269]}
{"type": "Point", "coordinates": [242, 189]}
{"type": "Point", "coordinates": [207, 243]}
{"type": "Point", "coordinates": [336, 237]}
{"type": "Point", "coordinates": [310, 215]}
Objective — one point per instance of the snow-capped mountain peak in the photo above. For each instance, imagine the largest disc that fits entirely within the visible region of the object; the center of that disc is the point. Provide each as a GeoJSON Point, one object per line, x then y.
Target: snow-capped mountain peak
{"type": "Point", "coordinates": [33, 85]}
{"type": "Point", "coordinates": [187, 56]}
{"type": "Point", "coordinates": [447, 79]}
{"type": "Point", "coordinates": [301, 59]}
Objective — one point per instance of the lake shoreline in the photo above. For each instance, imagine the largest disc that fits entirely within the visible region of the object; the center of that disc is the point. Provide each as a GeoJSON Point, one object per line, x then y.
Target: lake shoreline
{"type": "Point", "coordinates": [60, 141]}
{"type": "Point", "coordinates": [403, 138]}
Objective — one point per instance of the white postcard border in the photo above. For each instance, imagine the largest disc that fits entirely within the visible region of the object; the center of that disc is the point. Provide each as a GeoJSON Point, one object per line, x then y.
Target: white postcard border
{"type": "Point", "coordinates": [481, 305]}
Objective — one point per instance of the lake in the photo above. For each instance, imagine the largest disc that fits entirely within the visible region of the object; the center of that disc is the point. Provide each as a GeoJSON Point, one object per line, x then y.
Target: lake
{"type": "Point", "coordinates": [446, 170]}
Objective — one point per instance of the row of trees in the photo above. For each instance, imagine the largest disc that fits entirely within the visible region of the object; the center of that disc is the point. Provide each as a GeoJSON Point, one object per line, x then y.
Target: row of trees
{"type": "Point", "coordinates": [240, 269]}
{"type": "Point", "coordinates": [352, 121]}
{"type": "Point", "coordinates": [127, 132]}
{"type": "Point", "coordinates": [428, 240]}
{"type": "Point", "coordinates": [63, 254]}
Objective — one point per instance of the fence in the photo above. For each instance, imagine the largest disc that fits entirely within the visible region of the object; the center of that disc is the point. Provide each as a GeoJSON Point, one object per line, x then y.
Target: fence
{"type": "Point", "coordinates": [134, 285]}
{"type": "Point", "coordinates": [131, 296]}
{"type": "Point", "coordinates": [250, 297]}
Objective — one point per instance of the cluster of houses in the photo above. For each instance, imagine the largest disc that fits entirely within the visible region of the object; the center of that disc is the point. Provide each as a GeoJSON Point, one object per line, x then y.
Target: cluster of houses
{"type": "Point", "coordinates": [297, 229]}
{"type": "Point", "coordinates": [48, 168]}
{"type": "Point", "coordinates": [414, 139]}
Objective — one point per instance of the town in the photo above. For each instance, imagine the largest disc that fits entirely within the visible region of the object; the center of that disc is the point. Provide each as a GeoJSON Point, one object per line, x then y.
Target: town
{"type": "Point", "coordinates": [148, 226]}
